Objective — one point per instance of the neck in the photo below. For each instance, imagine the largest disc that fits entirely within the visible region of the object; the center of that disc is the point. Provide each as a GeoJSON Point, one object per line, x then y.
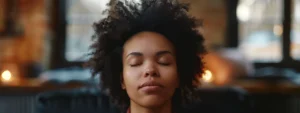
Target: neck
{"type": "Point", "coordinates": [135, 108]}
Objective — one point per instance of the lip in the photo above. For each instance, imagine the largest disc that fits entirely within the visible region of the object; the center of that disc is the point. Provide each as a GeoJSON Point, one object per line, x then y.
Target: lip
{"type": "Point", "coordinates": [150, 86]}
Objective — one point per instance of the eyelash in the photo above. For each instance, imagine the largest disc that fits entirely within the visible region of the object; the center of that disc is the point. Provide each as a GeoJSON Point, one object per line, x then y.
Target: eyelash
{"type": "Point", "coordinates": [134, 65]}
{"type": "Point", "coordinates": [164, 64]}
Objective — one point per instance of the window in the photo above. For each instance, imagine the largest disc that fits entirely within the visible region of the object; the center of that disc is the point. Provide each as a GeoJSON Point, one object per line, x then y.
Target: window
{"type": "Point", "coordinates": [295, 31]}
{"type": "Point", "coordinates": [260, 29]}
{"type": "Point", "coordinates": [80, 16]}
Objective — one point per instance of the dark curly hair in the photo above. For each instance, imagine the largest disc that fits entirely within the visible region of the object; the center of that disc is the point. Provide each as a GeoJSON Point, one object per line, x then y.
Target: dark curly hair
{"type": "Point", "coordinates": [166, 17]}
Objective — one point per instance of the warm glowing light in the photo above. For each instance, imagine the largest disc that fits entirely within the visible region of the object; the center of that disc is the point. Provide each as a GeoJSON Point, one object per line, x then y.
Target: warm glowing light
{"type": "Point", "coordinates": [6, 76]}
{"type": "Point", "coordinates": [207, 76]}
{"type": "Point", "coordinates": [243, 13]}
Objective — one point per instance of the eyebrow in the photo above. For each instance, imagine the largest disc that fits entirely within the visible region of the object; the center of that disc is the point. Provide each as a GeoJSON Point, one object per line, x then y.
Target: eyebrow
{"type": "Point", "coordinates": [157, 54]}
{"type": "Point", "coordinates": [135, 54]}
{"type": "Point", "coordinates": [164, 52]}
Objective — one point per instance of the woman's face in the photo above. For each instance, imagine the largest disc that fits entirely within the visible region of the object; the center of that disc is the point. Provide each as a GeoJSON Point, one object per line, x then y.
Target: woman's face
{"type": "Point", "coordinates": [149, 69]}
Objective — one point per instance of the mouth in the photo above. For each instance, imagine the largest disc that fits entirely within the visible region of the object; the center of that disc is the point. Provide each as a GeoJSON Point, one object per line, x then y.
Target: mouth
{"type": "Point", "coordinates": [151, 87]}
{"type": "Point", "coordinates": [151, 84]}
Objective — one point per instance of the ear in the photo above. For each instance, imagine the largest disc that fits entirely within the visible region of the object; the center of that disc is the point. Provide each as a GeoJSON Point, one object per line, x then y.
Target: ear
{"type": "Point", "coordinates": [122, 82]}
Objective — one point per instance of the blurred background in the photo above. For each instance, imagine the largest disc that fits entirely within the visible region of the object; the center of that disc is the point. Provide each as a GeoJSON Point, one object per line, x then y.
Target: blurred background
{"type": "Point", "coordinates": [252, 65]}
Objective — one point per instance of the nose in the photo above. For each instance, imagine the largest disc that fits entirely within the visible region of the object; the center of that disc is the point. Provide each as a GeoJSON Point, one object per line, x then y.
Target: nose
{"type": "Point", "coordinates": [151, 70]}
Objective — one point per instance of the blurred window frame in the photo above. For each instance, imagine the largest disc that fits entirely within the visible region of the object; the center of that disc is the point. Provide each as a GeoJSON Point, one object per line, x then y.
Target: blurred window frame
{"type": "Point", "coordinates": [287, 61]}
{"type": "Point", "coordinates": [58, 59]}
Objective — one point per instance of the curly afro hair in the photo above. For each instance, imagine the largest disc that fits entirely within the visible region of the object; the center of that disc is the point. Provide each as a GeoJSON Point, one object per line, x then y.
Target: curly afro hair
{"type": "Point", "coordinates": [166, 17]}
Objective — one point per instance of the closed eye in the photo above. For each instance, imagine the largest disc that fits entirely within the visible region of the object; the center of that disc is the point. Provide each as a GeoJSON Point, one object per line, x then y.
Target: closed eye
{"type": "Point", "coordinates": [135, 61]}
{"type": "Point", "coordinates": [164, 64]}
{"type": "Point", "coordinates": [135, 64]}
{"type": "Point", "coordinates": [165, 59]}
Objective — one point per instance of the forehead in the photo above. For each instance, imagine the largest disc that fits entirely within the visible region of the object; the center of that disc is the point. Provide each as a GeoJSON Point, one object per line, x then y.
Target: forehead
{"type": "Point", "coordinates": [148, 42]}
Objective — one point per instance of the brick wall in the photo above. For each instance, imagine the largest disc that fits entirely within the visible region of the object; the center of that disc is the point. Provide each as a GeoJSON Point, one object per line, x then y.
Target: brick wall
{"type": "Point", "coordinates": [30, 45]}
{"type": "Point", "coordinates": [214, 16]}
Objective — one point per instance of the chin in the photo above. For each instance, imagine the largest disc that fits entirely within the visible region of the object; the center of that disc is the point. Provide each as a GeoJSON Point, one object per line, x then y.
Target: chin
{"type": "Point", "coordinates": [153, 101]}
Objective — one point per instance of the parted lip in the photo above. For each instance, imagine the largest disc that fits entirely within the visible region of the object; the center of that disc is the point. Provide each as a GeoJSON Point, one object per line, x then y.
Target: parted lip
{"type": "Point", "coordinates": [150, 83]}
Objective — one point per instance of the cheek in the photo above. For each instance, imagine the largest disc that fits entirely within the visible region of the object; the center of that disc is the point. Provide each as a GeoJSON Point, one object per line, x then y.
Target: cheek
{"type": "Point", "coordinates": [130, 82]}
{"type": "Point", "coordinates": [170, 76]}
{"type": "Point", "coordinates": [130, 77]}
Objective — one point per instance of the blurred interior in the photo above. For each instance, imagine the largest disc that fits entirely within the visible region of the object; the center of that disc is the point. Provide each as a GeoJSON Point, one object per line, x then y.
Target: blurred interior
{"type": "Point", "coordinates": [252, 64]}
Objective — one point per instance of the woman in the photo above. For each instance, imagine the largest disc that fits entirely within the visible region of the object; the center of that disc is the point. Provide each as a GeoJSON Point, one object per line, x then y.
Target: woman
{"type": "Point", "coordinates": [147, 55]}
